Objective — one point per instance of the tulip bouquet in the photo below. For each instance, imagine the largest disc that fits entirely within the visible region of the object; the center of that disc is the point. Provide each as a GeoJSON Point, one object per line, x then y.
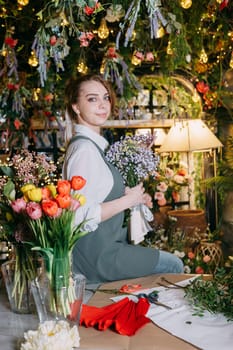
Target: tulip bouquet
{"type": "Point", "coordinates": [38, 212]}
{"type": "Point", "coordinates": [17, 171]}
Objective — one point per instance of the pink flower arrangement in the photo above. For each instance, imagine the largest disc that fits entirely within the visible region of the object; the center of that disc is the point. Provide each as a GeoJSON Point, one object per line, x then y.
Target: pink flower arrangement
{"type": "Point", "coordinates": [166, 184]}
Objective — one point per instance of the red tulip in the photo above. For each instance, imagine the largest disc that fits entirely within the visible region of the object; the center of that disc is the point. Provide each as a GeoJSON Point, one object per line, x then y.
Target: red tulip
{"type": "Point", "coordinates": [63, 187]}
{"type": "Point", "coordinates": [77, 182]}
{"type": "Point", "coordinates": [63, 200]}
{"type": "Point", "coordinates": [50, 207]}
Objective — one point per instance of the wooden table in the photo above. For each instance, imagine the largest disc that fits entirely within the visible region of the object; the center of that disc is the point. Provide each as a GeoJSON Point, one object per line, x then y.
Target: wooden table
{"type": "Point", "coordinates": [149, 337]}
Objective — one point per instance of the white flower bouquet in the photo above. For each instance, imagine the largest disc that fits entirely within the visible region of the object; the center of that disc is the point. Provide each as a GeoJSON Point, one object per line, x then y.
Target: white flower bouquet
{"type": "Point", "coordinates": [57, 335]}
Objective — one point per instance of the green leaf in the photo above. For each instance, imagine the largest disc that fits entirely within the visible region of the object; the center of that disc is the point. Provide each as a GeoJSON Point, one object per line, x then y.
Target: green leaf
{"type": "Point", "coordinates": [7, 171]}
{"type": "Point", "coordinates": [9, 190]}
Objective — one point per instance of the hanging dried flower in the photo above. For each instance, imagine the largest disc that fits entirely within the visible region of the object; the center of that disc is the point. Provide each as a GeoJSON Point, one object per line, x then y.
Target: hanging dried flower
{"type": "Point", "coordinates": [114, 13]}
{"type": "Point", "coordinates": [156, 19]}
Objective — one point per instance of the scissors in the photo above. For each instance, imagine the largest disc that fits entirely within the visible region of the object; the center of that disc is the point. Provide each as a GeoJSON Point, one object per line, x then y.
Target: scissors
{"type": "Point", "coordinates": [153, 298]}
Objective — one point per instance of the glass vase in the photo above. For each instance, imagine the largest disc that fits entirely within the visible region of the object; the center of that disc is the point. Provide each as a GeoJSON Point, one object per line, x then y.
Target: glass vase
{"type": "Point", "coordinates": [17, 276]}
{"type": "Point", "coordinates": [58, 296]}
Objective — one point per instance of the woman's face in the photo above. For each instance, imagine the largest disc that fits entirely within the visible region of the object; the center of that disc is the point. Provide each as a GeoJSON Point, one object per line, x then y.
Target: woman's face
{"type": "Point", "coordinates": [94, 105]}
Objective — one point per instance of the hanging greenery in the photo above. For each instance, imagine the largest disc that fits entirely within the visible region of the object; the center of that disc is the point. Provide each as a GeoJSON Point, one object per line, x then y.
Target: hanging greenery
{"type": "Point", "coordinates": [48, 41]}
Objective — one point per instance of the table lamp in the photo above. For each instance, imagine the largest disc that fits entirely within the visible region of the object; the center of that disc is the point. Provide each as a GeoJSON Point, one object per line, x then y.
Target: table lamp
{"type": "Point", "coordinates": [191, 135]}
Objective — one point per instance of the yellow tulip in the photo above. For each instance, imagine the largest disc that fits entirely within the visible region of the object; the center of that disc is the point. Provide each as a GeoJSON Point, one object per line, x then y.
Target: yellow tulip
{"type": "Point", "coordinates": [9, 217]}
{"type": "Point", "coordinates": [81, 198]}
{"type": "Point", "coordinates": [25, 197]}
{"type": "Point", "coordinates": [27, 187]}
{"type": "Point", "coordinates": [35, 194]}
{"type": "Point", "coordinates": [52, 189]}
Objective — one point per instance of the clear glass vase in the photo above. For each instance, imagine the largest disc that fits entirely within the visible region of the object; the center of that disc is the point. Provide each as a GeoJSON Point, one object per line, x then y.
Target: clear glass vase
{"type": "Point", "coordinates": [59, 301]}
{"type": "Point", "coordinates": [17, 276]}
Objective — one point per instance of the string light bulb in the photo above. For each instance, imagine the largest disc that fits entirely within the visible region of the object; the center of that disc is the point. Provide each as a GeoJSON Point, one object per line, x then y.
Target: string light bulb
{"type": "Point", "coordinates": [203, 56]}
{"type": "Point", "coordinates": [169, 48]}
{"type": "Point", "coordinates": [3, 52]}
{"type": "Point", "coordinates": [134, 34]}
{"type": "Point", "coordinates": [160, 32]}
{"type": "Point", "coordinates": [186, 4]}
{"type": "Point", "coordinates": [231, 60]}
{"type": "Point", "coordinates": [103, 31]}
{"type": "Point", "coordinates": [33, 61]}
{"type": "Point", "coordinates": [22, 2]}
{"type": "Point", "coordinates": [35, 94]}
{"type": "Point", "coordinates": [102, 67]}
{"type": "Point", "coordinates": [82, 67]}
{"type": "Point", "coordinates": [230, 34]}
{"type": "Point", "coordinates": [64, 21]}
{"type": "Point", "coordinates": [3, 12]}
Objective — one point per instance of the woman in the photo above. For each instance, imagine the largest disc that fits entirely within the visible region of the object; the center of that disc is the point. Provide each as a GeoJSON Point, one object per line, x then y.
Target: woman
{"type": "Point", "coordinates": [104, 254]}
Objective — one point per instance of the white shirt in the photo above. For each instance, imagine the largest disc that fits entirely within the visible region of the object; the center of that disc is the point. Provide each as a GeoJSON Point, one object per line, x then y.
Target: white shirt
{"type": "Point", "coordinates": [83, 158]}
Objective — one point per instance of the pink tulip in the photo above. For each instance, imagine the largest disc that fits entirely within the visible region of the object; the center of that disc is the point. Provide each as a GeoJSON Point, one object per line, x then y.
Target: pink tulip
{"type": "Point", "coordinates": [58, 213]}
{"type": "Point", "coordinates": [34, 210]}
{"type": "Point", "coordinates": [75, 204]}
{"type": "Point", "coordinates": [18, 205]}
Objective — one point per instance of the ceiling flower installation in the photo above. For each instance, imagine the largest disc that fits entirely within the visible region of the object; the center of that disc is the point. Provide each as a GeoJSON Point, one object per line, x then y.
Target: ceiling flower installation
{"type": "Point", "coordinates": [43, 44]}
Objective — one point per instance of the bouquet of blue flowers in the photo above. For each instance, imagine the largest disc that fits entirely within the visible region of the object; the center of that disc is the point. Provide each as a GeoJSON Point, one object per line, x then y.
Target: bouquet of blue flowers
{"type": "Point", "coordinates": [136, 161]}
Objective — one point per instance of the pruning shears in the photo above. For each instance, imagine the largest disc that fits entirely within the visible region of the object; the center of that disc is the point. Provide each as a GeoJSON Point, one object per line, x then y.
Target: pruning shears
{"type": "Point", "coordinates": [153, 298]}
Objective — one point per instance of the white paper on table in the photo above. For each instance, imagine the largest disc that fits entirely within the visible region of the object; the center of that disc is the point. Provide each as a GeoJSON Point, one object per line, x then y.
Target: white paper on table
{"type": "Point", "coordinates": [209, 332]}
{"type": "Point", "coordinates": [139, 225]}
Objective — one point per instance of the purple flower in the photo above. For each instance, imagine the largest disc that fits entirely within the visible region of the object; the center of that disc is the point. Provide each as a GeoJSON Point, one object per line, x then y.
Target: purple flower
{"type": "Point", "coordinates": [134, 158]}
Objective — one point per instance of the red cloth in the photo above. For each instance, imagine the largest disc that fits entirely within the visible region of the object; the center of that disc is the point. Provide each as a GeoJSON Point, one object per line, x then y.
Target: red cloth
{"type": "Point", "coordinates": [124, 316]}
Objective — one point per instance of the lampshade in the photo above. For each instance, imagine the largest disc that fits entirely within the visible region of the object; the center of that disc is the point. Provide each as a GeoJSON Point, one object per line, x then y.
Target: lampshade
{"type": "Point", "coordinates": [159, 135]}
{"type": "Point", "coordinates": [189, 135]}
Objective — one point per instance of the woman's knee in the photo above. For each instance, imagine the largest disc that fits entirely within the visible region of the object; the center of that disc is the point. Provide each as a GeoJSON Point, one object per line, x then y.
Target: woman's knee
{"type": "Point", "coordinates": [169, 263]}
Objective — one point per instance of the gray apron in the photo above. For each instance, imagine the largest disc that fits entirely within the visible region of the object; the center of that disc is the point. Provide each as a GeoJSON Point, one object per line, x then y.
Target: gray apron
{"type": "Point", "coordinates": [105, 254]}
